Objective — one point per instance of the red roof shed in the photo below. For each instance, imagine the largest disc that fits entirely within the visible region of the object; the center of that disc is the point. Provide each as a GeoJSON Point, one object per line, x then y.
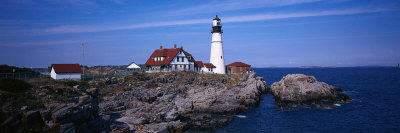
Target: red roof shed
{"type": "Point", "coordinates": [66, 68]}
{"type": "Point", "coordinates": [238, 68]}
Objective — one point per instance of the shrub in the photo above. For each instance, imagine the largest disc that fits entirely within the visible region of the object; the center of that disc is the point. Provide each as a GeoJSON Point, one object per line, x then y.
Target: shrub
{"type": "Point", "coordinates": [13, 85]}
{"type": "Point", "coordinates": [229, 85]}
{"type": "Point", "coordinates": [9, 69]}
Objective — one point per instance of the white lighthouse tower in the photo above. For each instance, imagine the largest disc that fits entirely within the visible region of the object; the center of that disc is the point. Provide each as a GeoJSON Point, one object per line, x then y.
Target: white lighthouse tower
{"type": "Point", "coordinates": [217, 52]}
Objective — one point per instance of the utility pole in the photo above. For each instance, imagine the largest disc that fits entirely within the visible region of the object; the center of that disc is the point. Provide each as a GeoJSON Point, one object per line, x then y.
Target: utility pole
{"type": "Point", "coordinates": [83, 60]}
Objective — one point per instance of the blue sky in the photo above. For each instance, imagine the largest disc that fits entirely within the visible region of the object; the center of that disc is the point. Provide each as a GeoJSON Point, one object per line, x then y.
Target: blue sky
{"type": "Point", "coordinates": [268, 33]}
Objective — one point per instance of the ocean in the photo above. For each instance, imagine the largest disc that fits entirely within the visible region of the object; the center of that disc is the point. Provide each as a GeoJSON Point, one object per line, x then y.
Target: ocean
{"type": "Point", "coordinates": [375, 108]}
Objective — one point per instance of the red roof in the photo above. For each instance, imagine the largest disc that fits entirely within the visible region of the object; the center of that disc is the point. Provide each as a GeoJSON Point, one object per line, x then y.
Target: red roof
{"type": "Point", "coordinates": [199, 63]}
{"type": "Point", "coordinates": [239, 64]}
{"type": "Point", "coordinates": [209, 65]}
{"type": "Point", "coordinates": [66, 68]}
{"type": "Point", "coordinates": [188, 54]}
{"type": "Point", "coordinates": [169, 55]}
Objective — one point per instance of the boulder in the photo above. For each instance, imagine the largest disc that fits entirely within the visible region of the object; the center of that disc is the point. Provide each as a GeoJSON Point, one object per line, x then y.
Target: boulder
{"type": "Point", "coordinates": [33, 121]}
{"type": "Point", "coordinates": [94, 92]}
{"type": "Point", "coordinates": [132, 120]}
{"type": "Point", "coordinates": [300, 89]}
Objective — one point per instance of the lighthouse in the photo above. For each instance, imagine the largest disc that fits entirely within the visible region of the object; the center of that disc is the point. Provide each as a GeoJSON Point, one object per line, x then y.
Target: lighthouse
{"type": "Point", "coordinates": [217, 52]}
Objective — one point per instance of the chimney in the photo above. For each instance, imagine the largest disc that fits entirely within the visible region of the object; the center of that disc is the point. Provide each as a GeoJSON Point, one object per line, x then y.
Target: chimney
{"type": "Point", "coordinates": [174, 45]}
{"type": "Point", "coordinates": [161, 47]}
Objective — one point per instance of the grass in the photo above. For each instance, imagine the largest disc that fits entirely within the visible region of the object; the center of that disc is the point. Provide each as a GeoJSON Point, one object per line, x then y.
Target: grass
{"type": "Point", "coordinates": [72, 83]}
{"type": "Point", "coordinates": [88, 77]}
{"type": "Point", "coordinates": [140, 76]}
{"type": "Point", "coordinates": [232, 82]}
{"type": "Point", "coordinates": [14, 85]}
{"type": "Point", "coordinates": [17, 94]}
{"type": "Point", "coordinates": [14, 101]}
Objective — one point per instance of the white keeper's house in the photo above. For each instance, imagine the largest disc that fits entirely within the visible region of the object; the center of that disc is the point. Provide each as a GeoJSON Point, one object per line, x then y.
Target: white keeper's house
{"type": "Point", "coordinates": [65, 71]}
{"type": "Point", "coordinates": [175, 59]}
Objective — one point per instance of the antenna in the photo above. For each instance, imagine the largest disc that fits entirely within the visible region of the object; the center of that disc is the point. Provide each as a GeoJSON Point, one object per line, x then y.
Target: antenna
{"type": "Point", "coordinates": [83, 60]}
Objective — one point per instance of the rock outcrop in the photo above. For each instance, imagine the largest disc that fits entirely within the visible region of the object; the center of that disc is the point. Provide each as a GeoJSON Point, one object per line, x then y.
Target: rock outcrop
{"type": "Point", "coordinates": [299, 89]}
{"type": "Point", "coordinates": [69, 109]}
{"type": "Point", "coordinates": [157, 102]}
{"type": "Point", "coordinates": [179, 101]}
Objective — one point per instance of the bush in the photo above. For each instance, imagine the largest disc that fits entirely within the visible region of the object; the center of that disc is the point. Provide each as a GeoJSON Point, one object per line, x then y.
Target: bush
{"type": "Point", "coordinates": [13, 85]}
{"type": "Point", "coordinates": [9, 69]}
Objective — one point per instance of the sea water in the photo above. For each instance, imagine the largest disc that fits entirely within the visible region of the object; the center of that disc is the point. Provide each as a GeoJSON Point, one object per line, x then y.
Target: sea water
{"type": "Point", "coordinates": [375, 108]}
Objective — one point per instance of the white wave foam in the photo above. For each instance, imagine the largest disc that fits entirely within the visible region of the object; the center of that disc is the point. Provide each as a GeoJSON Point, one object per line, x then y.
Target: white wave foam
{"type": "Point", "coordinates": [241, 116]}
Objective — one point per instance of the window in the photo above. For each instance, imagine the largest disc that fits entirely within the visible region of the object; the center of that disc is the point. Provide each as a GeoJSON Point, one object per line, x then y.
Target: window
{"type": "Point", "coordinates": [221, 57]}
{"type": "Point", "coordinates": [183, 59]}
{"type": "Point", "coordinates": [240, 69]}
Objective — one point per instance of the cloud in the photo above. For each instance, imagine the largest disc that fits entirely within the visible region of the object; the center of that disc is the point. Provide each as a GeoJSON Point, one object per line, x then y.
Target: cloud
{"type": "Point", "coordinates": [243, 18]}
{"type": "Point", "coordinates": [73, 2]}
{"type": "Point", "coordinates": [81, 29]}
{"type": "Point", "coordinates": [268, 16]}
{"type": "Point", "coordinates": [220, 6]}
{"type": "Point", "coordinates": [43, 43]}
{"type": "Point", "coordinates": [118, 1]}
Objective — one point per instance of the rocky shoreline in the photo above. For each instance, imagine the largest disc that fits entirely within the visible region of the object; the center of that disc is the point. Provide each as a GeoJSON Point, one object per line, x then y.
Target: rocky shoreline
{"type": "Point", "coordinates": [180, 101]}
{"type": "Point", "coordinates": [158, 102]}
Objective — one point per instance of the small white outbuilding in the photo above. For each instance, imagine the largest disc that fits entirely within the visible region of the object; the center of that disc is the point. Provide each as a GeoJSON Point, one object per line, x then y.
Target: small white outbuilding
{"type": "Point", "coordinates": [66, 71]}
{"type": "Point", "coordinates": [133, 67]}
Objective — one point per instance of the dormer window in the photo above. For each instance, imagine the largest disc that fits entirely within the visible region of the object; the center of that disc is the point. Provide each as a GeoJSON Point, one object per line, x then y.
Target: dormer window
{"type": "Point", "coordinates": [159, 58]}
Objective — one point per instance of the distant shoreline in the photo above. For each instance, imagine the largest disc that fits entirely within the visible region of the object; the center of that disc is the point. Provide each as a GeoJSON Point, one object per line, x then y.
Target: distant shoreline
{"type": "Point", "coordinates": [331, 67]}
{"type": "Point", "coordinates": [319, 67]}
